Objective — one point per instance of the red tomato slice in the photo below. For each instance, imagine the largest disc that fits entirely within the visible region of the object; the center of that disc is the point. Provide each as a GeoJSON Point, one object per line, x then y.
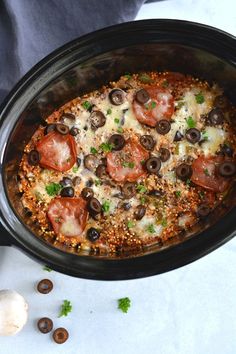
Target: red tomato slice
{"type": "Point", "coordinates": [57, 151]}
{"type": "Point", "coordinates": [160, 106]}
{"type": "Point", "coordinates": [126, 164]}
{"type": "Point", "coordinates": [205, 174]}
{"type": "Point", "coordinates": [68, 216]}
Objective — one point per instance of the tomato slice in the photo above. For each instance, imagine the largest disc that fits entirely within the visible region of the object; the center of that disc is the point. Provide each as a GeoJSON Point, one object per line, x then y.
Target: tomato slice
{"type": "Point", "coordinates": [68, 216]}
{"type": "Point", "coordinates": [57, 151]}
{"type": "Point", "coordinates": [126, 164]}
{"type": "Point", "coordinates": [160, 106]}
{"type": "Point", "coordinates": [205, 174]}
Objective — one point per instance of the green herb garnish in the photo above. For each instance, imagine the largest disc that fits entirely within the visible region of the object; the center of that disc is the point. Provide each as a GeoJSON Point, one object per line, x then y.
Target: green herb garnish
{"type": "Point", "coordinates": [165, 83]}
{"type": "Point", "coordinates": [145, 78]}
{"type": "Point", "coordinates": [75, 169]}
{"type": "Point", "coordinates": [191, 122]}
{"type": "Point", "coordinates": [206, 172]}
{"type": "Point", "coordinates": [124, 304]}
{"type": "Point", "coordinates": [153, 104]}
{"type": "Point", "coordinates": [199, 98]}
{"type": "Point", "coordinates": [164, 222]}
{"type": "Point", "coordinates": [53, 189]}
{"type": "Point", "coordinates": [66, 308]}
{"type": "Point", "coordinates": [180, 104]}
{"type": "Point", "coordinates": [106, 147]}
{"type": "Point", "coordinates": [87, 105]}
{"type": "Point", "coordinates": [151, 229]}
{"type": "Point", "coordinates": [97, 182]}
{"type": "Point", "coordinates": [128, 164]}
{"type": "Point", "coordinates": [130, 224]}
{"type": "Point", "coordinates": [93, 150]}
{"type": "Point", "coordinates": [120, 130]}
{"type": "Point", "coordinates": [178, 194]}
{"type": "Point", "coordinates": [106, 206]}
{"type": "Point", "coordinates": [109, 111]}
{"type": "Point", "coordinates": [141, 188]}
{"type": "Point", "coordinates": [205, 135]}
{"type": "Point", "coordinates": [142, 200]}
{"type": "Point", "coordinates": [128, 76]}
{"type": "Point", "coordinates": [188, 182]}
{"type": "Point", "coordinates": [47, 269]}
{"type": "Point", "coordinates": [116, 120]}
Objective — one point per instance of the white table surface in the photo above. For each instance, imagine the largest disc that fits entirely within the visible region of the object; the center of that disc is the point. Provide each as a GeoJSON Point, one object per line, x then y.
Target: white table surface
{"type": "Point", "coordinates": [191, 310]}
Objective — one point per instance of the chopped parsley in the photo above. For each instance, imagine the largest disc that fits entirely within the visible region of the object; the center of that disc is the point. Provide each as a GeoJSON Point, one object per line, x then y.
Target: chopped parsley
{"type": "Point", "coordinates": [141, 188]}
{"type": "Point", "coordinates": [153, 104]}
{"type": "Point", "coordinates": [47, 269]}
{"type": "Point", "coordinates": [66, 308]}
{"type": "Point", "coordinates": [191, 122]}
{"type": "Point", "coordinates": [87, 105]}
{"type": "Point", "coordinates": [164, 222]}
{"type": "Point", "coordinates": [116, 120]}
{"type": "Point", "coordinates": [120, 130]}
{"type": "Point", "coordinates": [97, 182]}
{"type": "Point", "coordinates": [165, 83]}
{"type": "Point", "coordinates": [124, 304]}
{"type": "Point", "coordinates": [178, 194]}
{"type": "Point", "coordinates": [57, 220]}
{"type": "Point", "coordinates": [128, 76]}
{"type": "Point", "coordinates": [150, 105]}
{"type": "Point", "coordinates": [93, 150]}
{"type": "Point", "coordinates": [142, 200]}
{"type": "Point", "coordinates": [109, 111]}
{"type": "Point", "coordinates": [180, 104]}
{"type": "Point", "coordinates": [206, 172]}
{"type": "Point", "coordinates": [188, 182]}
{"type": "Point", "coordinates": [106, 206]}
{"type": "Point", "coordinates": [53, 189]}
{"type": "Point", "coordinates": [146, 79]}
{"type": "Point", "coordinates": [205, 135]}
{"type": "Point", "coordinates": [199, 98]}
{"type": "Point", "coordinates": [128, 164]}
{"type": "Point", "coordinates": [106, 147]}
{"type": "Point", "coordinates": [75, 169]}
{"type": "Point", "coordinates": [130, 224]}
{"type": "Point", "coordinates": [151, 229]}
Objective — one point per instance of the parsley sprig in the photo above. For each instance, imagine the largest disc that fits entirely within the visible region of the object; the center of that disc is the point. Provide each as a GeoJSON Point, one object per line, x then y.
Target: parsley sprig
{"type": "Point", "coordinates": [124, 304]}
{"type": "Point", "coordinates": [53, 189]}
{"type": "Point", "coordinates": [66, 308]}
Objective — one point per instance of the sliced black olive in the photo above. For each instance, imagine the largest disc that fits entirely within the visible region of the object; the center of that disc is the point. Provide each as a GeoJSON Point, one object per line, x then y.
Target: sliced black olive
{"type": "Point", "coordinates": [76, 181]}
{"type": "Point", "coordinates": [94, 206]}
{"type": "Point", "coordinates": [227, 150]}
{"type": "Point", "coordinates": [89, 183]}
{"type": "Point", "coordinates": [78, 161]}
{"type": "Point", "coordinates": [147, 142]}
{"type": "Point", "coordinates": [49, 128]}
{"type": "Point", "coordinates": [62, 129]}
{"type": "Point", "coordinates": [221, 101]}
{"type": "Point", "coordinates": [158, 193]}
{"type": "Point", "coordinates": [69, 116]}
{"type": "Point", "coordinates": [87, 193]}
{"type": "Point", "coordinates": [116, 97]}
{"type": "Point", "coordinates": [104, 161]}
{"type": "Point", "coordinates": [117, 141]}
{"type": "Point", "coordinates": [45, 325]}
{"type": "Point", "coordinates": [101, 171]}
{"type": "Point", "coordinates": [215, 116]}
{"type": "Point", "coordinates": [163, 126]}
{"type": "Point", "coordinates": [153, 165]}
{"type": "Point", "coordinates": [74, 131]}
{"type": "Point", "coordinates": [91, 162]}
{"type": "Point", "coordinates": [184, 171]}
{"type": "Point", "coordinates": [178, 136]}
{"type": "Point", "coordinates": [66, 181]}
{"type": "Point", "coordinates": [164, 154]}
{"type": "Point", "coordinates": [97, 120]}
{"type": "Point", "coordinates": [67, 192]}
{"type": "Point", "coordinates": [128, 190]}
{"type": "Point", "coordinates": [126, 206]}
{"type": "Point", "coordinates": [193, 135]}
{"type": "Point", "coordinates": [142, 96]}
{"type": "Point", "coordinates": [45, 286]}
{"type": "Point", "coordinates": [33, 157]}
{"type": "Point", "coordinates": [203, 210]}
{"type": "Point", "coordinates": [60, 335]}
{"type": "Point", "coordinates": [93, 234]}
{"type": "Point", "coordinates": [139, 212]}
{"type": "Point", "coordinates": [227, 169]}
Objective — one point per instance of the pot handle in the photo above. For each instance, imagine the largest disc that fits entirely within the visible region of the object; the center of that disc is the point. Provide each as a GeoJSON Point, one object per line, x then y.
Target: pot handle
{"type": "Point", "coordinates": [5, 238]}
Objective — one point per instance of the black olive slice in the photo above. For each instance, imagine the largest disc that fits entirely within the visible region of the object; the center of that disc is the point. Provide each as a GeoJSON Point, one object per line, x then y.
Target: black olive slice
{"type": "Point", "coordinates": [147, 142]}
{"type": "Point", "coordinates": [163, 126]}
{"type": "Point", "coordinates": [62, 129]}
{"type": "Point", "coordinates": [203, 210]}
{"type": "Point", "coordinates": [126, 206]}
{"type": "Point", "coordinates": [221, 101]}
{"type": "Point", "coordinates": [67, 192]}
{"type": "Point", "coordinates": [97, 120]}
{"type": "Point", "coordinates": [227, 150]}
{"type": "Point", "coordinates": [142, 96]}
{"type": "Point", "coordinates": [193, 135]}
{"type": "Point", "coordinates": [49, 128]}
{"type": "Point", "coordinates": [164, 154]}
{"type": "Point", "coordinates": [117, 96]}
{"type": "Point", "coordinates": [66, 181]}
{"type": "Point", "coordinates": [94, 206]}
{"type": "Point", "coordinates": [215, 116]}
{"type": "Point", "coordinates": [74, 131]}
{"type": "Point", "coordinates": [45, 286]}
{"type": "Point", "coordinates": [67, 116]}
{"type": "Point", "coordinates": [227, 169]}
{"type": "Point", "coordinates": [156, 193]}
{"type": "Point", "coordinates": [184, 171]}
{"type": "Point", "coordinates": [45, 325]}
{"type": "Point", "coordinates": [101, 171]}
{"type": "Point", "coordinates": [178, 136]}
{"type": "Point", "coordinates": [128, 190]}
{"type": "Point", "coordinates": [76, 181]}
{"type": "Point", "coordinates": [117, 141]}
{"type": "Point", "coordinates": [87, 193]}
{"type": "Point", "coordinates": [93, 234]}
{"type": "Point", "coordinates": [91, 162]}
{"type": "Point", "coordinates": [153, 165]}
{"type": "Point", "coordinates": [139, 212]}
{"type": "Point", "coordinates": [33, 157]}
{"type": "Point", "coordinates": [60, 335]}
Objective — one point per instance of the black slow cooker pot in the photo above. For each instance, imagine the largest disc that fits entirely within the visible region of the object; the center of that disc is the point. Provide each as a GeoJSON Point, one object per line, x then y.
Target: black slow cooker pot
{"type": "Point", "coordinates": [84, 65]}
